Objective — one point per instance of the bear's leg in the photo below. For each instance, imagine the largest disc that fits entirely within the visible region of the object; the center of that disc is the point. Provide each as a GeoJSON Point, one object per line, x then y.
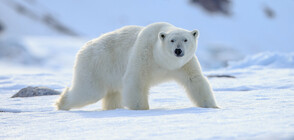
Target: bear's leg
{"type": "Point", "coordinates": [196, 85]}
{"type": "Point", "coordinates": [79, 97]}
{"type": "Point", "coordinates": [135, 95]}
{"type": "Point", "coordinates": [200, 92]}
{"type": "Point", "coordinates": [112, 100]}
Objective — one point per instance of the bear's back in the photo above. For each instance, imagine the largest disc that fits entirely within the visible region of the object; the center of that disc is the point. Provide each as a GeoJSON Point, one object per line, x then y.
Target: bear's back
{"type": "Point", "coordinates": [123, 37]}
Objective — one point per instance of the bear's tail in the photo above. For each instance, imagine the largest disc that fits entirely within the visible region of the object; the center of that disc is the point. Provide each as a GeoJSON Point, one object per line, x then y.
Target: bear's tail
{"type": "Point", "coordinates": [61, 102]}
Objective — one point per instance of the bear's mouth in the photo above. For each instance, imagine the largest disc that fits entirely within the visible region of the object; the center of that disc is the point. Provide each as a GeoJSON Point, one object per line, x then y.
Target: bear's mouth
{"type": "Point", "coordinates": [179, 53]}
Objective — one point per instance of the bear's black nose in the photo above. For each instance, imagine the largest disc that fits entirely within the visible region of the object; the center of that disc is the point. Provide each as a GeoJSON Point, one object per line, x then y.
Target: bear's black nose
{"type": "Point", "coordinates": [178, 52]}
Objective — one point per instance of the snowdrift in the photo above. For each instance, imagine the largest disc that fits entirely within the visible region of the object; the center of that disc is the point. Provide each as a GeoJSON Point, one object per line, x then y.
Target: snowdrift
{"type": "Point", "coordinates": [266, 59]}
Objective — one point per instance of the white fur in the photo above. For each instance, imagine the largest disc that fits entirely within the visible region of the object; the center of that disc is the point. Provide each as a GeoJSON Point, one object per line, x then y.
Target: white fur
{"type": "Point", "coordinates": [121, 66]}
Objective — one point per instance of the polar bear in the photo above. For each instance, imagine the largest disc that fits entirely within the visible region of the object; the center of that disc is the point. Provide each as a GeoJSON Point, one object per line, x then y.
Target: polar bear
{"type": "Point", "coordinates": [120, 67]}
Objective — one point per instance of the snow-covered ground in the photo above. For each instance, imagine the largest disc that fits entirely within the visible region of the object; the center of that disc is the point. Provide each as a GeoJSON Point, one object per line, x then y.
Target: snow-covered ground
{"type": "Point", "coordinates": [257, 104]}
{"type": "Point", "coordinates": [257, 50]}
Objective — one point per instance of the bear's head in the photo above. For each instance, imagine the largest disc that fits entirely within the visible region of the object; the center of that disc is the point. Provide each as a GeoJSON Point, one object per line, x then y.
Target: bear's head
{"type": "Point", "coordinates": [176, 47]}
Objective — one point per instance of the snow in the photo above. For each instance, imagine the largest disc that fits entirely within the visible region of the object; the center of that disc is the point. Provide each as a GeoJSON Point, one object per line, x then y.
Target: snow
{"type": "Point", "coordinates": [26, 18]}
{"type": "Point", "coordinates": [257, 104]}
{"type": "Point", "coordinates": [257, 51]}
{"type": "Point", "coordinates": [267, 59]}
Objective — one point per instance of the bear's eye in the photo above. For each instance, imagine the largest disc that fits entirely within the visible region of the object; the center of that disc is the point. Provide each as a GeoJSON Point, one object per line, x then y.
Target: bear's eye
{"type": "Point", "coordinates": [185, 40]}
{"type": "Point", "coordinates": [172, 40]}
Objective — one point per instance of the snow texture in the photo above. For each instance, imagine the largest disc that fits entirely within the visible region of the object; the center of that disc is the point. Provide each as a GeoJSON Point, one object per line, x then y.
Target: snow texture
{"type": "Point", "coordinates": [266, 59]}
{"type": "Point", "coordinates": [257, 104]}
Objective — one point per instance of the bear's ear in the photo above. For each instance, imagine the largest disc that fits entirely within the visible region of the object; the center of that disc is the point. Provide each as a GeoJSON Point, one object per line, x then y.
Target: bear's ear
{"type": "Point", "coordinates": [162, 35]}
{"type": "Point", "coordinates": [195, 33]}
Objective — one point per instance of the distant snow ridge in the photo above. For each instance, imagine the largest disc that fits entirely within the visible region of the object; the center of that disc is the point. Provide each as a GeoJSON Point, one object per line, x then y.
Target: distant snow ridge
{"type": "Point", "coordinates": [267, 59]}
{"type": "Point", "coordinates": [13, 51]}
{"type": "Point", "coordinates": [35, 19]}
